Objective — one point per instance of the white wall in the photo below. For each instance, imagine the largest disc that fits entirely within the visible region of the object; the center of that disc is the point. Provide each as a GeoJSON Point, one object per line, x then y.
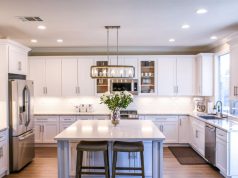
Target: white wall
{"type": "Point", "coordinates": [150, 105]}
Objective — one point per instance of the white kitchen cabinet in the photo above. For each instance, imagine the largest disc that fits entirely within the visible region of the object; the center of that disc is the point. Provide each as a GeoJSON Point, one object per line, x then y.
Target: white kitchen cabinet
{"type": "Point", "coordinates": [46, 75]}
{"type": "Point", "coordinates": [70, 85]}
{"type": "Point", "coordinates": [17, 58]}
{"type": "Point", "coordinates": [185, 75]}
{"type": "Point", "coordinates": [46, 128]}
{"type": "Point", "coordinates": [168, 125]}
{"type": "Point", "coordinates": [234, 70]}
{"type": "Point", "coordinates": [176, 75]}
{"type": "Point", "coordinates": [66, 121]}
{"type": "Point", "coordinates": [166, 75]}
{"type": "Point", "coordinates": [204, 74]}
{"type": "Point", "coordinates": [88, 117]}
{"type": "Point", "coordinates": [184, 127]}
{"type": "Point", "coordinates": [85, 82]}
{"type": "Point", "coordinates": [53, 77]}
{"type": "Point", "coordinates": [37, 75]}
{"type": "Point", "coordinates": [197, 139]}
{"type": "Point", "coordinates": [3, 153]}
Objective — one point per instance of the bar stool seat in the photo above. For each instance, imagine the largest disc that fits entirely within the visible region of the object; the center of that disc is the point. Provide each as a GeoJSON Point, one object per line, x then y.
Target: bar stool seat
{"type": "Point", "coordinates": [129, 147]}
{"type": "Point", "coordinates": [92, 146]}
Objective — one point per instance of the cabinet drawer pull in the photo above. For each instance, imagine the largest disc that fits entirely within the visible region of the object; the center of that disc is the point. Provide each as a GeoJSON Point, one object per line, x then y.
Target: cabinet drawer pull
{"type": "Point", "coordinates": [19, 65]}
{"type": "Point", "coordinates": [221, 135]}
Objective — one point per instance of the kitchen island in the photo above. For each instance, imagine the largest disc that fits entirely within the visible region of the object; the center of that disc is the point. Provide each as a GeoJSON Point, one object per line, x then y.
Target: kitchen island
{"type": "Point", "coordinates": [95, 130]}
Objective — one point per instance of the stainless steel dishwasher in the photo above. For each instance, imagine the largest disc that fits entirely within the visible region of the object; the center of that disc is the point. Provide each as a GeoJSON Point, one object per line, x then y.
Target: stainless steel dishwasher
{"type": "Point", "coordinates": [210, 144]}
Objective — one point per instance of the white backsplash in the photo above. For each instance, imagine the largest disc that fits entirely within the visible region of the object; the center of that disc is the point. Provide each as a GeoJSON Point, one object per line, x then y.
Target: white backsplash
{"type": "Point", "coordinates": [164, 105]}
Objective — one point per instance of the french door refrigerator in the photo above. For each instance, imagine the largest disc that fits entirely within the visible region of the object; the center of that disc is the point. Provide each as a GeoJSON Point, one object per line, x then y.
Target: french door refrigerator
{"type": "Point", "coordinates": [21, 124]}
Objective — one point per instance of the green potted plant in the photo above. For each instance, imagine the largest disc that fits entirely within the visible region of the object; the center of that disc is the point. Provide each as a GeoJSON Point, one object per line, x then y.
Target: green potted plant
{"type": "Point", "coordinates": [115, 102]}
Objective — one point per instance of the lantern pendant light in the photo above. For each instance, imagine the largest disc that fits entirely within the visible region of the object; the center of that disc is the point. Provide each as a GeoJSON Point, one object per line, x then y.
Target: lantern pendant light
{"type": "Point", "coordinates": [112, 71]}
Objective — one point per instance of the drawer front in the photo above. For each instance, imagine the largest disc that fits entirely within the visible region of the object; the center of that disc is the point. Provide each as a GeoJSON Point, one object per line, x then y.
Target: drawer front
{"type": "Point", "coordinates": [67, 118]}
{"type": "Point", "coordinates": [101, 117]}
{"type": "Point", "coordinates": [46, 118]}
{"type": "Point", "coordinates": [162, 118]}
{"type": "Point", "coordinates": [3, 136]}
{"type": "Point", "coordinates": [222, 135]}
{"type": "Point", "coordinates": [84, 117]}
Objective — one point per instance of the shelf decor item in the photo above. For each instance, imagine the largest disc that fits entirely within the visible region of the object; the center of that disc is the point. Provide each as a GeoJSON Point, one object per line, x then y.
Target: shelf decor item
{"type": "Point", "coordinates": [115, 102]}
{"type": "Point", "coordinates": [112, 71]}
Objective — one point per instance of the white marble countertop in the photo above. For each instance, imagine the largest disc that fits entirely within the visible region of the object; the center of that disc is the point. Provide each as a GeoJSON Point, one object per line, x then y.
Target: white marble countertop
{"type": "Point", "coordinates": [3, 129]}
{"type": "Point", "coordinates": [104, 130]}
{"type": "Point", "coordinates": [228, 125]}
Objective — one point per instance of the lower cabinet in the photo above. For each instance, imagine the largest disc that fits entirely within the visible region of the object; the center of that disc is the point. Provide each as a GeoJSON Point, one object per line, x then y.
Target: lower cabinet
{"type": "Point", "coordinates": [66, 121]}
{"type": "Point", "coordinates": [197, 135]}
{"type": "Point", "coordinates": [46, 128]}
{"type": "Point", "coordinates": [183, 129]}
{"type": "Point", "coordinates": [168, 125]}
{"type": "Point", "coordinates": [123, 159]}
{"type": "Point", "coordinates": [3, 153]}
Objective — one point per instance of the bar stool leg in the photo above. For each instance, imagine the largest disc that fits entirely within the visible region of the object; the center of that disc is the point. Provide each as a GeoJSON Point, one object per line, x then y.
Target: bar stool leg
{"type": "Point", "coordinates": [114, 164]}
{"type": "Point", "coordinates": [79, 164]}
{"type": "Point", "coordinates": [106, 164]}
{"type": "Point", "coordinates": [142, 164]}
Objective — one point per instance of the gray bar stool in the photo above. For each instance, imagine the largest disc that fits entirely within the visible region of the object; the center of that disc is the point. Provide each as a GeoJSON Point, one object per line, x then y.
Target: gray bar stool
{"type": "Point", "coordinates": [129, 147]}
{"type": "Point", "coordinates": [92, 146]}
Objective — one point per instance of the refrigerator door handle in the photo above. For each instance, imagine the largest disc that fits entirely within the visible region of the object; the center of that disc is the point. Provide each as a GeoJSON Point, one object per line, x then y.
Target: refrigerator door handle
{"type": "Point", "coordinates": [23, 137]}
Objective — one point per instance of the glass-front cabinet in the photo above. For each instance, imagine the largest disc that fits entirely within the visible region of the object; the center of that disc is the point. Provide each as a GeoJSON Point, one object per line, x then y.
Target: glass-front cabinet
{"type": "Point", "coordinates": [148, 77]}
{"type": "Point", "coordinates": [102, 85]}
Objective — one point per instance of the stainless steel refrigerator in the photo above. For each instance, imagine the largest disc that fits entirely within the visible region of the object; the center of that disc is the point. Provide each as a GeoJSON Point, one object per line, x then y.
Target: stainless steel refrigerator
{"type": "Point", "coordinates": [21, 124]}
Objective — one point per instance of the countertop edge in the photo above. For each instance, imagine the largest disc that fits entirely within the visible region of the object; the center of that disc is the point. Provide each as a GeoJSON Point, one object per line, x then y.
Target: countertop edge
{"type": "Point", "coordinates": [3, 129]}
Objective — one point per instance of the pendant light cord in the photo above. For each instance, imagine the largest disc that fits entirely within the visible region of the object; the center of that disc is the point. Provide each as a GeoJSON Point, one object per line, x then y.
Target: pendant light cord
{"type": "Point", "coordinates": [108, 45]}
{"type": "Point", "coordinates": [117, 45]}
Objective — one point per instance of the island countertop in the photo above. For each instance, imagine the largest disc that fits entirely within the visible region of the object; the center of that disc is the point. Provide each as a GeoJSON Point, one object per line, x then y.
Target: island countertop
{"type": "Point", "coordinates": [104, 130]}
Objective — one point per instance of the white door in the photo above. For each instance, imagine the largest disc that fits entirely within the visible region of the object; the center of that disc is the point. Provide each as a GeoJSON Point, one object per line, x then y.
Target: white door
{"type": "Point", "coordinates": [234, 72]}
{"type": "Point", "coordinates": [38, 132]}
{"type": "Point", "coordinates": [221, 155]}
{"type": "Point", "coordinates": [69, 77]}
{"type": "Point", "coordinates": [37, 75]}
{"type": "Point", "coordinates": [132, 61]}
{"type": "Point", "coordinates": [86, 83]}
{"type": "Point", "coordinates": [185, 75]}
{"type": "Point", "coordinates": [166, 75]}
{"type": "Point", "coordinates": [50, 130]}
{"type": "Point", "coordinates": [201, 141]}
{"type": "Point", "coordinates": [17, 60]}
{"type": "Point", "coordinates": [170, 130]}
{"type": "Point", "coordinates": [193, 136]}
{"type": "Point", "coordinates": [53, 77]}
{"type": "Point", "coordinates": [184, 129]}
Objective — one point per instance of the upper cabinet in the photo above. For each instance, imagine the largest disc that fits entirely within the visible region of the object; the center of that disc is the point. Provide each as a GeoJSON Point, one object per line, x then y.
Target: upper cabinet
{"type": "Point", "coordinates": [46, 74]}
{"type": "Point", "coordinates": [204, 74]}
{"type": "Point", "coordinates": [17, 57]}
{"type": "Point", "coordinates": [148, 76]}
{"type": "Point", "coordinates": [176, 75]}
{"type": "Point", "coordinates": [234, 69]}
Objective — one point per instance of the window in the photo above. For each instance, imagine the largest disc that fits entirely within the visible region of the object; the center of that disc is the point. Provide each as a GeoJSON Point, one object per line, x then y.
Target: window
{"type": "Point", "coordinates": [223, 81]}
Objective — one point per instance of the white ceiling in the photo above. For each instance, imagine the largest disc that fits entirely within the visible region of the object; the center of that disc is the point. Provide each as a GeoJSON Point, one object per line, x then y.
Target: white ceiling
{"type": "Point", "coordinates": [143, 22]}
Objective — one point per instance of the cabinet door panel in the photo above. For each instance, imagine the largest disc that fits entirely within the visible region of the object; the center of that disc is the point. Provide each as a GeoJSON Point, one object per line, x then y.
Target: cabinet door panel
{"type": "Point", "coordinates": [221, 155]}
{"type": "Point", "coordinates": [37, 74]}
{"type": "Point", "coordinates": [183, 129]}
{"type": "Point", "coordinates": [50, 130]}
{"type": "Point", "coordinates": [166, 75]}
{"type": "Point", "coordinates": [185, 75]}
{"type": "Point", "coordinates": [69, 77]}
{"type": "Point", "coordinates": [170, 130]}
{"type": "Point", "coordinates": [38, 133]}
{"type": "Point", "coordinates": [53, 77]}
{"type": "Point", "coordinates": [86, 83]}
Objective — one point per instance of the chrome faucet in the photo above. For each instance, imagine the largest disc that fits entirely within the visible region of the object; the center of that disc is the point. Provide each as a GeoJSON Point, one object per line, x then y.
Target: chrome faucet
{"type": "Point", "coordinates": [219, 108]}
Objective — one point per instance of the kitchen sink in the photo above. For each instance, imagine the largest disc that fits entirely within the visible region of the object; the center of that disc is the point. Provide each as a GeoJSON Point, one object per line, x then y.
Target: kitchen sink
{"type": "Point", "coordinates": [207, 117]}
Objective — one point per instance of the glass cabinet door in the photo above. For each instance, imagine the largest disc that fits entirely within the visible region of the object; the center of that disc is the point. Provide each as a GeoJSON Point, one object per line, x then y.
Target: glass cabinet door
{"type": "Point", "coordinates": [102, 84]}
{"type": "Point", "coordinates": [147, 76]}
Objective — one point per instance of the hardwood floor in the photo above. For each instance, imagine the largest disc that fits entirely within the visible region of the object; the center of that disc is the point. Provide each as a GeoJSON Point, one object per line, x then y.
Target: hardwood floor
{"type": "Point", "coordinates": [45, 166]}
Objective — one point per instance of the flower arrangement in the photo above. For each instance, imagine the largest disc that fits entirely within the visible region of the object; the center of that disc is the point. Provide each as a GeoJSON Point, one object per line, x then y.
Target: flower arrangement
{"type": "Point", "coordinates": [116, 101]}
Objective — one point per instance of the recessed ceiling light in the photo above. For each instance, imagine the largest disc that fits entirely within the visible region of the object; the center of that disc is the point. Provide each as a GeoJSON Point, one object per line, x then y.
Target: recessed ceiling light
{"type": "Point", "coordinates": [34, 41]}
{"type": "Point", "coordinates": [201, 11]}
{"type": "Point", "coordinates": [185, 26]}
{"type": "Point", "coordinates": [171, 40]}
{"type": "Point", "coordinates": [41, 27]}
{"type": "Point", "coordinates": [213, 37]}
{"type": "Point", "coordinates": [60, 40]}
